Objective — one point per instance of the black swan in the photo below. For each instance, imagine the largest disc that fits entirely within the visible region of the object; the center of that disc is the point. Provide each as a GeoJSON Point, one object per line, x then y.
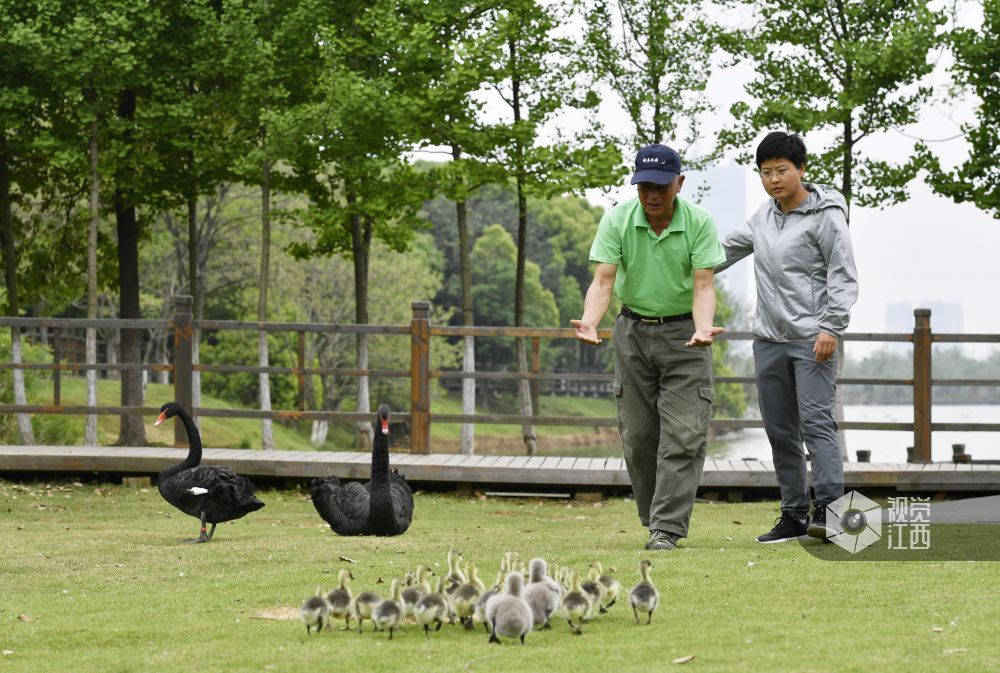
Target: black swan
{"type": "Point", "coordinates": [382, 506]}
{"type": "Point", "coordinates": [211, 494]}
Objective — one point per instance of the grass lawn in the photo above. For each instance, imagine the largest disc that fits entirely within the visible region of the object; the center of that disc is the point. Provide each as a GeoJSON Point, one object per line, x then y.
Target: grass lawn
{"type": "Point", "coordinates": [245, 432]}
{"type": "Point", "coordinates": [216, 432]}
{"type": "Point", "coordinates": [105, 585]}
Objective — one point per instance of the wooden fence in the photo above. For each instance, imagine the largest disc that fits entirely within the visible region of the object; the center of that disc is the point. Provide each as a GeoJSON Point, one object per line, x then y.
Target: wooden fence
{"type": "Point", "coordinates": [421, 333]}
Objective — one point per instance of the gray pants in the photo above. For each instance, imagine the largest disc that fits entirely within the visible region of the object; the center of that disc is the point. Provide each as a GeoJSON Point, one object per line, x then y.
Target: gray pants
{"type": "Point", "coordinates": [796, 401]}
{"type": "Point", "coordinates": [664, 393]}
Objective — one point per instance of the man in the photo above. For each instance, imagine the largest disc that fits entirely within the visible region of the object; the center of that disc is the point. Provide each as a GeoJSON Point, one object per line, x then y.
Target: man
{"type": "Point", "coordinates": [806, 286]}
{"type": "Point", "coordinates": [657, 254]}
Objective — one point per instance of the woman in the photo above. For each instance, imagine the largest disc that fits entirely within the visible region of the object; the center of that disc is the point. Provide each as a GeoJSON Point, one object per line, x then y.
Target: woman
{"type": "Point", "coordinates": [806, 286]}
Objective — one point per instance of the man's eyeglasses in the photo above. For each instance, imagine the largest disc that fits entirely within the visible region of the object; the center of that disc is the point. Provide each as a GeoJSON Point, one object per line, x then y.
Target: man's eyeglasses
{"type": "Point", "coordinates": [767, 173]}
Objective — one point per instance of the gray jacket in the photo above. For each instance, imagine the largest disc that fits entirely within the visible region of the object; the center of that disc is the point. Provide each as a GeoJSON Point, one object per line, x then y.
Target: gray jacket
{"type": "Point", "coordinates": [806, 278]}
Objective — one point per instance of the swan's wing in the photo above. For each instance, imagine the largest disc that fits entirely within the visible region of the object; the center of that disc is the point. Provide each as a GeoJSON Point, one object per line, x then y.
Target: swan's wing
{"type": "Point", "coordinates": [227, 487]}
{"type": "Point", "coordinates": [218, 492]}
{"type": "Point", "coordinates": [343, 506]}
{"type": "Point", "coordinates": [402, 499]}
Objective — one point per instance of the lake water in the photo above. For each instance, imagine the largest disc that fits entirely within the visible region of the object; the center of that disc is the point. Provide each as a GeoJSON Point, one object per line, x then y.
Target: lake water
{"type": "Point", "coordinates": [886, 446]}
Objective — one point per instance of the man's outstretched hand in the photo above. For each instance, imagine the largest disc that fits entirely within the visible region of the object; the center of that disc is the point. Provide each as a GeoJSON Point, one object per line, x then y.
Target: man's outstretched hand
{"type": "Point", "coordinates": [586, 332]}
{"type": "Point", "coordinates": [705, 337]}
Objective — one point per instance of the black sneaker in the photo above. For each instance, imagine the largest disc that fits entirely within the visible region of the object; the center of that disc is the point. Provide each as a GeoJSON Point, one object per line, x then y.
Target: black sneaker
{"type": "Point", "coordinates": [661, 540]}
{"type": "Point", "coordinates": [786, 528]}
{"type": "Point", "coordinates": [817, 525]}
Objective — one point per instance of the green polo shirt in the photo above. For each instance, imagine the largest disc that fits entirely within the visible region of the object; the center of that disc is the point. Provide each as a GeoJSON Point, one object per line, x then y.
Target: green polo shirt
{"type": "Point", "coordinates": [656, 273]}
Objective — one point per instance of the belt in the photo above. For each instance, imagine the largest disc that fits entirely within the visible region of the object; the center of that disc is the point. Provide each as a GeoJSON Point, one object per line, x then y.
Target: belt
{"type": "Point", "coordinates": [629, 313]}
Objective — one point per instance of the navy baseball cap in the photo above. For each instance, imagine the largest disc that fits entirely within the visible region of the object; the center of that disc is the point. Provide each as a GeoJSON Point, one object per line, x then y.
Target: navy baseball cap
{"type": "Point", "coordinates": [657, 164]}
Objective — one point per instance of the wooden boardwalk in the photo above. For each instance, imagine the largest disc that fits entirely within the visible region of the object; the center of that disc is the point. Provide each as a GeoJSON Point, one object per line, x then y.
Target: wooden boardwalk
{"type": "Point", "coordinates": [560, 472]}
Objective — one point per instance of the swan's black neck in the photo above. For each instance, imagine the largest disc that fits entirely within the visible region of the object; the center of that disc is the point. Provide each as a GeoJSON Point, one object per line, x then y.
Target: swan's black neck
{"type": "Point", "coordinates": [380, 509]}
{"type": "Point", "coordinates": [194, 441]}
{"type": "Point", "coordinates": [380, 462]}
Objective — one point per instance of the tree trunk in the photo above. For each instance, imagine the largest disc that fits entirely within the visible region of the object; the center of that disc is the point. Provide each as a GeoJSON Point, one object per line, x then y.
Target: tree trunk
{"type": "Point", "coordinates": [90, 425]}
{"type": "Point", "coordinates": [468, 430]}
{"type": "Point", "coordinates": [195, 374]}
{"type": "Point", "coordinates": [27, 436]}
{"type": "Point", "coordinates": [361, 239]}
{"type": "Point", "coordinates": [319, 428]}
{"type": "Point", "coordinates": [133, 429]}
{"type": "Point", "coordinates": [524, 386]}
{"type": "Point", "coordinates": [20, 393]}
{"type": "Point", "coordinates": [111, 348]}
{"type": "Point", "coordinates": [838, 402]}
{"type": "Point", "coordinates": [194, 286]}
{"type": "Point", "coordinates": [267, 431]}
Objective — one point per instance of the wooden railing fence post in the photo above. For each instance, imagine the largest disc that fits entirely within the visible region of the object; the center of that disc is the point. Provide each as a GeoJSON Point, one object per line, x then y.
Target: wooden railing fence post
{"type": "Point", "coordinates": [183, 331]}
{"type": "Point", "coordinates": [536, 368]}
{"type": "Point", "coordinates": [57, 360]}
{"type": "Point", "coordinates": [420, 389]}
{"type": "Point", "coordinates": [922, 385]}
{"type": "Point", "coordinates": [301, 377]}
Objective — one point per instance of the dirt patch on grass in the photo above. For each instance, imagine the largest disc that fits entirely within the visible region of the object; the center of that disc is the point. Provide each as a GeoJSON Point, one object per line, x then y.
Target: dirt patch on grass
{"type": "Point", "coordinates": [277, 613]}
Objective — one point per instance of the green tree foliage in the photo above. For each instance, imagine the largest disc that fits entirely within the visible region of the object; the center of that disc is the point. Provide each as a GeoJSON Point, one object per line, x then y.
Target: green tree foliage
{"type": "Point", "coordinates": [560, 232]}
{"type": "Point", "coordinates": [240, 348]}
{"type": "Point", "coordinates": [656, 56]}
{"type": "Point", "coordinates": [850, 68]}
{"type": "Point", "coordinates": [494, 260]}
{"type": "Point", "coordinates": [977, 61]}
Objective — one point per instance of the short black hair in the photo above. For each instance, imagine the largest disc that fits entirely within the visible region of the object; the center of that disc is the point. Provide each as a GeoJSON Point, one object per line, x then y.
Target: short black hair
{"type": "Point", "coordinates": [781, 145]}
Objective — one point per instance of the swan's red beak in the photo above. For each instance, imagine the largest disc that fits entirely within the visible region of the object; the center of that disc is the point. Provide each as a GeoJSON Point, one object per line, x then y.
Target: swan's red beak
{"type": "Point", "coordinates": [385, 426]}
{"type": "Point", "coordinates": [159, 419]}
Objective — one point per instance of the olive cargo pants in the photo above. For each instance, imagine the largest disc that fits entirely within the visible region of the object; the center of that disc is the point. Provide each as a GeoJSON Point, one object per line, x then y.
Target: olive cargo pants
{"type": "Point", "coordinates": [664, 393]}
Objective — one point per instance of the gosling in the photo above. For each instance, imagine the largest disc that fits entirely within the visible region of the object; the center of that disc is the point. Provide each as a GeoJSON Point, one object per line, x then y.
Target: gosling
{"type": "Point", "coordinates": [433, 608]}
{"type": "Point", "coordinates": [540, 596]}
{"type": "Point", "coordinates": [644, 597]}
{"type": "Point", "coordinates": [314, 612]}
{"type": "Point", "coordinates": [388, 615]}
{"type": "Point", "coordinates": [422, 587]}
{"type": "Point", "coordinates": [340, 598]}
{"type": "Point", "coordinates": [364, 603]}
{"type": "Point", "coordinates": [595, 592]}
{"type": "Point", "coordinates": [612, 587]}
{"type": "Point", "coordinates": [508, 614]}
{"type": "Point", "coordinates": [463, 599]}
{"type": "Point", "coordinates": [575, 604]}
{"type": "Point", "coordinates": [480, 611]}
{"type": "Point", "coordinates": [458, 578]}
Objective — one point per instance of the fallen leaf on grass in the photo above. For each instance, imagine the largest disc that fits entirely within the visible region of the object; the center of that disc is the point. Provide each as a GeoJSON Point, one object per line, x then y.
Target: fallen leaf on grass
{"type": "Point", "coordinates": [347, 560]}
{"type": "Point", "coordinates": [738, 523]}
{"type": "Point", "coordinates": [683, 660]}
{"type": "Point", "coordinates": [23, 617]}
{"type": "Point", "coordinates": [278, 613]}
